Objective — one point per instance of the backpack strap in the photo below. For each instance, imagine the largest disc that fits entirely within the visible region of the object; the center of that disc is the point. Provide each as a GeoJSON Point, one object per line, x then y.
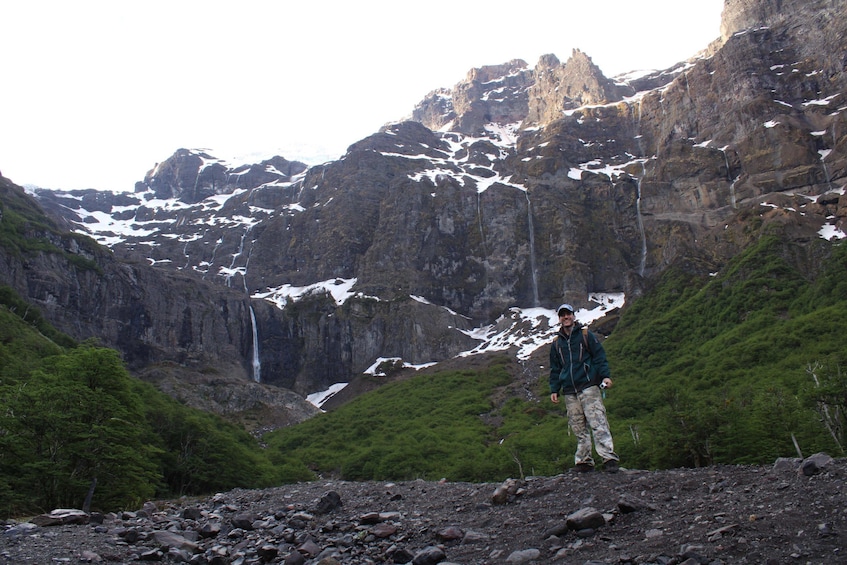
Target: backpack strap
{"type": "Point", "coordinates": [585, 341]}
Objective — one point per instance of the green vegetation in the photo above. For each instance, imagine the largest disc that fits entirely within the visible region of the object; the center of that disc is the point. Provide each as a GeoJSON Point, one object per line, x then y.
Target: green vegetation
{"type": "Point", "coordinates": [25, 231]}
{"type": "Point", "coordinates": [429, 427]}
{"type": "Point", "coordinates": [418, 428]}
{"type": "Point", "coordinates": [727, 369]}
{"type": "Point", "coordinates": [70, 416]}
{"type": "Point", "coordinates": [722, 375]}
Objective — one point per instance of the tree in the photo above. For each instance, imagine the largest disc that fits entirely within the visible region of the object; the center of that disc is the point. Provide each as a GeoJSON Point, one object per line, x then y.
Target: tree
{"type": "Point", "coordinates": [75, 420]}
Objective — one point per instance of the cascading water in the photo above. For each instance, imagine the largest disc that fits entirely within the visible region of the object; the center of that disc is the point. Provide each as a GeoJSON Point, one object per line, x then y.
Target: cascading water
{"type": "Point", "coordinates": [218, 243]}
{"type": "Point", "coordinates": [643, 263]}
{"type": "Point", "coordinates": [257, 364]}
{"type": "Point", "coordinates": [731, 180]}
{"type": "Point", "coordinates": [535, 300]}
{"type": "Point", "coordinates": [824, 153]}
{"type": "Point", "coordinates": [255, 361]}
{"type": "Point", "coordinates": [232, 270]}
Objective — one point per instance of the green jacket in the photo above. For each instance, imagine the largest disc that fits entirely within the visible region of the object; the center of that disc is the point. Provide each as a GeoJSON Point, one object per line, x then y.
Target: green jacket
{"type": "Point", "coordinates": [577, 361]}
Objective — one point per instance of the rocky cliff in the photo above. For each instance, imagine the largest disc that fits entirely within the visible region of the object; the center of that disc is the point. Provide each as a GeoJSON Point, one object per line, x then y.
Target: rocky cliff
{"type": "Point", "coordinates": [168, 325]}
{"type": "Point", "coordinates": [517, 188]}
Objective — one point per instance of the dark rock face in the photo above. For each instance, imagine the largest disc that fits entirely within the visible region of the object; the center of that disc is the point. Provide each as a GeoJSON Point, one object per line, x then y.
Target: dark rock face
{"type": "Point", "coordinates": [191, 176]}
{"type": "Point", "coordinates": [165, 323]}
{"type": "Point", "coordinates": [517, 187]}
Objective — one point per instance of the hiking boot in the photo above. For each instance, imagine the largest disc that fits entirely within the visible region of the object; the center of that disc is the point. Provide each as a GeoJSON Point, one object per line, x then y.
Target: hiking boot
{"type": "Point", "coordinates": [583, 468]}
{"type": "Point", "coordinates": [611, 466]}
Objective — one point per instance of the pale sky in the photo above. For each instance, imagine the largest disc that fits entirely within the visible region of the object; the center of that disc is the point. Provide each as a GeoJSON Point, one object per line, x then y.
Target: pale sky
{"type": "Point", "coordinates": [95, 93]}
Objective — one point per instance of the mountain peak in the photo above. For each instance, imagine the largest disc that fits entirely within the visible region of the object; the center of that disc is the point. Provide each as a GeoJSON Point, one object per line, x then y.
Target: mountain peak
{"type": "Point", "coordinates": [192, 175]}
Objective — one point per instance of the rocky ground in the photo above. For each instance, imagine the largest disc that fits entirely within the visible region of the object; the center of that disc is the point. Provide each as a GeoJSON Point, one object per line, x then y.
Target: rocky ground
{"type": "Point", "coordinates": [792, 512]}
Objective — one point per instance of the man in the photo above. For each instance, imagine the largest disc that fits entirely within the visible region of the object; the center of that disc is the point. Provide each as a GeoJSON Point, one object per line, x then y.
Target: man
{"type": "Point", "coordinates": [578, 367]}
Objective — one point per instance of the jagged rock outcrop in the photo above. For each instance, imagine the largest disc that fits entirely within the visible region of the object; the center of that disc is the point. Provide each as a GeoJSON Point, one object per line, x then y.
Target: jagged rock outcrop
{"type": "Point", "coordinates": [493, 94]}
{"type": "Point", "coordinates": [560, 87]}
{"type": "Point", "coordinates": [192, 176]}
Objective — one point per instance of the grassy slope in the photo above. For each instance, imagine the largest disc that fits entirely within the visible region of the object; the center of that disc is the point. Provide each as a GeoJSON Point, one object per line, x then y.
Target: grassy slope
{"type": "Point", "coordinates": [708, 370]}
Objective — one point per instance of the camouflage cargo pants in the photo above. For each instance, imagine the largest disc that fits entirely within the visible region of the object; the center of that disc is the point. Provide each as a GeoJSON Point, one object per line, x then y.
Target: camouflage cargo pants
{"type": "Point", "coordinates": [587, 416]}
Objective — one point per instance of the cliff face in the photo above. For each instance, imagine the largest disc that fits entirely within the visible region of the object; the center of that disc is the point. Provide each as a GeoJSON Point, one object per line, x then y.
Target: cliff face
{"type": "Point", "coordinates": [518, 187]}
{"type": "Point", "coordinates": [168, 325]}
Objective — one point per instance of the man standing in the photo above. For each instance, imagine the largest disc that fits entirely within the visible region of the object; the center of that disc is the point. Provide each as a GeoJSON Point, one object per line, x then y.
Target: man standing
{"type": "Point", "coordinates": [578, 368]}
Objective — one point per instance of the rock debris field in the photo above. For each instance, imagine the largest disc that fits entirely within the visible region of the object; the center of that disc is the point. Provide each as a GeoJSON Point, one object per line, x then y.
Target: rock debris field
{"type": "Point", "coordinates": [794, 511]}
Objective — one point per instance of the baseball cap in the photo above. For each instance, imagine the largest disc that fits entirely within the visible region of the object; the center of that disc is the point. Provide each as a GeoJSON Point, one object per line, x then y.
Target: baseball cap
{"type": "Point", "coordinates": [567, 307]}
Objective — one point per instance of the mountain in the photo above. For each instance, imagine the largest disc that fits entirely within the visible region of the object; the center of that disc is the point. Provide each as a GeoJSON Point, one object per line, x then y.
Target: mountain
{"type": "Point", "coordinates": [515, 190]}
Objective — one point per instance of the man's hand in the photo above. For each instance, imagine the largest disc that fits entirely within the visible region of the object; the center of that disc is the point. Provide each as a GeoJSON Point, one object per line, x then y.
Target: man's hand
{"type": "Point", "coordinates": [554, 398]}
{"type": "Point", "coordinates": [607, 382]}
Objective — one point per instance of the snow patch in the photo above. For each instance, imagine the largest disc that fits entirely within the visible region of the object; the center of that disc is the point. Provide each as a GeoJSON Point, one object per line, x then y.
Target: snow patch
{"type": "Point", "coordinates": [340, 289]}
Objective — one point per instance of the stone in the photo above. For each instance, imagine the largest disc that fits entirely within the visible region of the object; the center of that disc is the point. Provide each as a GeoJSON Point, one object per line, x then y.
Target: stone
{"type": "Point", "coordinates": [243, 521]}
{"type": "Point", "coordinates": [450, 533]}
{"type": "Point", "coordinates": [328, 502]}
{"type": "Point", "coordinates": [90, 557]}
{"type": "Point", "coordinates": [523, 556]}
{"type": "Point", "coordinates": [170, 539]}
{"type": "Point", "coordinates": [61, 516]}
{"type": "Point", "coordinates": [814, 464]}
{"type": "Point", "coordinates": [585, 518]}
{"type": "Point", "coordinates": [210, 530]}
{"type": "Point", "coordinates": [294, 558]}
{"type": "Point", "coordinates": [309, 548]}
{"type": "Point", "coordinates": [192, 513]}
{"type": "Point", "coordinates": [402, 555]}
{"type": "Point", "coordinates": [384, 530]}
{"type": "Point", "coordinates": [430, 555]}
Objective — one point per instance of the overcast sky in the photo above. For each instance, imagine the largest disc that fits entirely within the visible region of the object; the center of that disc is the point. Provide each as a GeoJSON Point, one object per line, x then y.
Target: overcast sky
{"type": "Point", "coordinates": [95, 93]}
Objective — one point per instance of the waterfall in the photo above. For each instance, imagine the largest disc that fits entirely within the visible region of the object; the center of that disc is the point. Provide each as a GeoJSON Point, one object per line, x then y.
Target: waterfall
{"type": "Point", "coordinates": [731, 180]}
{"type": "Point", "coordinates": [643, 264]}
{"type": "Point", "coordinates": [535, 300]}
{"type": "Point", "coordinates": [824, 153]}
{"type": "Point", "coordinates": [214, 254]}
{"type": "Point", "coordinates": [235, 257]}
{"type": "Point", "coordinates": [257, 364]}
{"type": "Point", "coordinates": [732, 200]}
{"type": "Point", "coordinates": [639, 136]}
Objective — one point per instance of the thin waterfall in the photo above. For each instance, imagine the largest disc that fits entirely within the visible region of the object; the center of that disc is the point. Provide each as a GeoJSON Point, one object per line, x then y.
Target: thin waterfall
{"type": "Point", "coordinates": [257, 364]}
{"type": "Point", "coordinates": [214, 254]}
{"type": "Point", "coordinates": [235, 257]}
{"type": "Point", "coordinates": [731, 180]}
{"type": "Point", "coordinates": [639, 138]}
{"type": "Point", "coordinates": [824, 153]}
{"type": "Point", "coordinates": [535, 300]}
{"type": "Point", "coordinates": [643, 264]}
{"type": "Point", "coordinates": [732, 199]}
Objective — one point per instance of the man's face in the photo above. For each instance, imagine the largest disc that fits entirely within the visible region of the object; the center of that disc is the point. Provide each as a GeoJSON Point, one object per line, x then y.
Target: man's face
{"type": "Point", "coordinates": [566, 318]}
